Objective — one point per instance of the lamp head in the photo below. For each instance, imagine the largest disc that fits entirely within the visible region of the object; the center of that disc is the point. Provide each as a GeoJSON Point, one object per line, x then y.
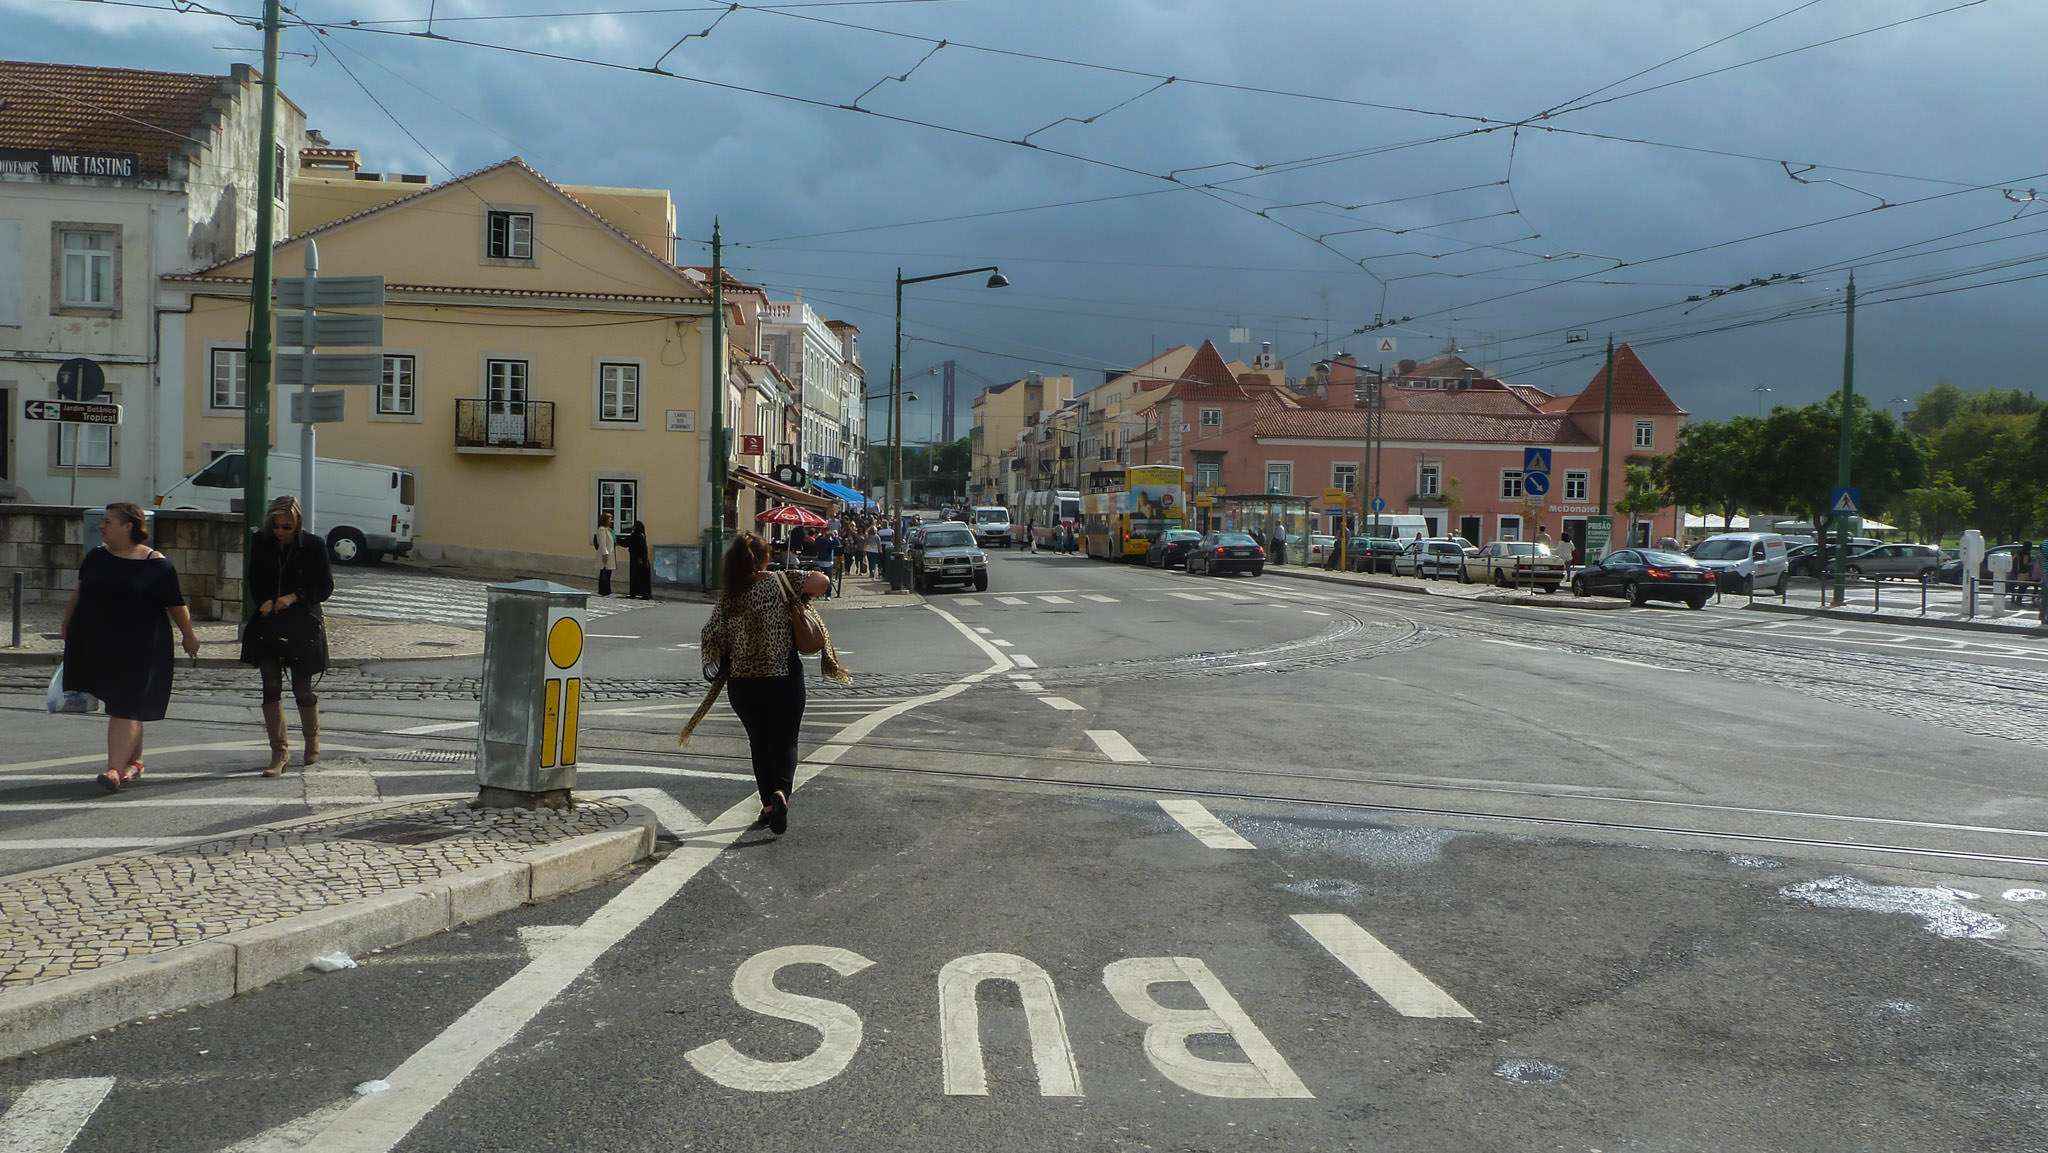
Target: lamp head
{"type": "Point", "coordinates": [998, 280]}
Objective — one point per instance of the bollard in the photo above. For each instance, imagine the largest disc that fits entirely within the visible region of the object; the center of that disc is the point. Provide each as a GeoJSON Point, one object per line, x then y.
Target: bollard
{"type": "Point", "coordinates": [532, 694]}
{"type": "Point", "coordinates": [18, 578]}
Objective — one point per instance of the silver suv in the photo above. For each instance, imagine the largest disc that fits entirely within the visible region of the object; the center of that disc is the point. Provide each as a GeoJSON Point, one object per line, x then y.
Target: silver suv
{"type": "Point", "coordinates": [946, 553]}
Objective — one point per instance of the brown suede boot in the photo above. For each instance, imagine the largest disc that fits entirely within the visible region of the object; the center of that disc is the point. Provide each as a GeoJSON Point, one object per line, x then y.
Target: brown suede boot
{"type": "Point", "coordinates": [309, 725]}
{"type": "Point", "coordinates": [280, 751]}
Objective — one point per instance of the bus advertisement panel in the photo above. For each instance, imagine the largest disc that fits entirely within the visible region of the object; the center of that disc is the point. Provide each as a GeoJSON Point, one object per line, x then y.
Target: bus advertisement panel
{"type": "Point", "coordinates": [1121, 522]}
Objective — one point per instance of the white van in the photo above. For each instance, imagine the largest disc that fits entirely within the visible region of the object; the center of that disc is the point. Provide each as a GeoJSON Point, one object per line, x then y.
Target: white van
{"type": "Point", "coordinates": [991, 526]}
{"type": "Point", "coordinates": [365, 511]}
{"type": "Point", "coordinates": [1397, 525]}
{"type": "Point", "coordinates": [1745, 561]}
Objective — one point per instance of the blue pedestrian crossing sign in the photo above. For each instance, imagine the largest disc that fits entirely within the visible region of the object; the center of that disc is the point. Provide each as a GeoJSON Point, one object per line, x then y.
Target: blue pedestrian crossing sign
{"type": "Point", "coordinates": [1535, 460]}
{"type": "Point", "coordinates": [1846, 502]}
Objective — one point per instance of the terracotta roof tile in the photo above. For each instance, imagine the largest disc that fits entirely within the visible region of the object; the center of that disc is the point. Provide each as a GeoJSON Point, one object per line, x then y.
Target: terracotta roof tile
{"type": "Point", "coordinates": [1208, 367]}
{"type": "Point", "coordinates": [1635, 390]}
{"type": "Point", "coordinates": [1441, 427]}
{"type": "Point", "coordinates": [155, 115]}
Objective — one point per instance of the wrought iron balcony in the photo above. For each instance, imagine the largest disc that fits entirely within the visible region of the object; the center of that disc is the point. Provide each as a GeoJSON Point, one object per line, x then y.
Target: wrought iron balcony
{"type": "Point", "coordinates": [512, 427]}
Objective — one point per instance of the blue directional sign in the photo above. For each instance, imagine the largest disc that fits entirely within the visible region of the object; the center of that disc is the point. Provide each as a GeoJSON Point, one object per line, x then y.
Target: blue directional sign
{"type": "Point", "coordinates": [1379, 504]}
{"type": "Point", "coordinates": [1536, 483]}
{"type": "Point", "coordinates": [1846, 502]}
{"type": "Point", "coordinates": [1535, 460]}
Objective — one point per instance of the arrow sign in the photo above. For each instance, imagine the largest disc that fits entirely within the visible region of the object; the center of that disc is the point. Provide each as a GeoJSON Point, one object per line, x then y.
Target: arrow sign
{"type": "Point", "coordinates": [1846, 502]}
{"type": "Point", "coordinates": [71, 411]}
{"type": "Point", "coordinates": [1536, 483]}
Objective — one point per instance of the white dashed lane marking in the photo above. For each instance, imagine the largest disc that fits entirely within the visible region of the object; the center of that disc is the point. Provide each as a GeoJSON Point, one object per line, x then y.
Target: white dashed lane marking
{"type": "Point", "coordinates": [1203, 824]}
{"type": "Point", "coordinates": [1010, 600]}
{"type": "Point", "coordinates": [1098, 598]}
{"type": "Point", "coordinates": [1062, 704]}
{"type": "Point", "coordinates": [1189, 596]}
{"type": "Point", "coordinates": [48, 1115]}
{"type": "Point", "coordinates": [1397, 982]}
{"type": "Point", "coordinates": [1116, 747]}
{"type": "Point", "coordinates": [1022, 661]}
{"type": "Point", "coordinates": [971, 602]}
{"type": "Point", "coordinates": [1053, 600]}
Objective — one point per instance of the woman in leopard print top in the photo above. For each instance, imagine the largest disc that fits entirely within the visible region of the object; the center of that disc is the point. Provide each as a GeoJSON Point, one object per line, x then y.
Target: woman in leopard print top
{"type": "Point", "coordinates": [749, 639]}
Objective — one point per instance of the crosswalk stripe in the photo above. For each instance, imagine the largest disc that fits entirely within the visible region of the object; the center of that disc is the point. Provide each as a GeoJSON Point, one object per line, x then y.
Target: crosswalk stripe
{"type": "Point", "coordinates": [1116, 747]}
{"type": "Point", "coordinates": [1010, 600]}
{"type": "Point", "coordinates": [48, 1115]}
{"type": "Point", "coordinates": [1062, 704]}
{"type": "Point", "coordinates": [1098, 598]}
{"type": "Point", "coordinates": [1189, 596]}
{"type": "Point", "coordinates": [1398, 983]}
{"type": "Point", "coordinates": [1200, 822]}
{"type": "Point", "coordinates": [1053, 600]}
{"type": "Point", "coordinates": [971, 602]}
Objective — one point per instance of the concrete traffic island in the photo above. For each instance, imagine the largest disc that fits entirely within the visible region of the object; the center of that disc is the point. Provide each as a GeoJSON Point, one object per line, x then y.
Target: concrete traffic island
{"type": "Point", "coordinates": [92, 945]}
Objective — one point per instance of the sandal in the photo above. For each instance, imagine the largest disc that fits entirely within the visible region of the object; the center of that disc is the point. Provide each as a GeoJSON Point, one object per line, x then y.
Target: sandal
{"type": "Point", "coordinates": [132, 773]}
{"type": "Point", "coordinates": [111, 780]}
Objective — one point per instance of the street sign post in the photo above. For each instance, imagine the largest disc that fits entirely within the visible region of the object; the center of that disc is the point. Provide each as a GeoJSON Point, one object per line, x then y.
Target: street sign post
{"type": "Point", "coordinates": [350, 330]}
{"type": "Point", "coordinates": [1535, 483]}
{"type": "Point", "coordinates": [309, 368]}
{"type": "Point", "coordinates": [303, 292]}
{"type": "Point", "coordinates": [80, 379]}
{"type": "Point", "coordinates": [71, 411]}
{"type": "Point", "coordinates": [319, 407]}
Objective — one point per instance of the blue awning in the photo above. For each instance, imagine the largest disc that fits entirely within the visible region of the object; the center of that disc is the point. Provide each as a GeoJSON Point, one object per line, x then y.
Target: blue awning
{"type": "Point", "coordinates": [842, 494]}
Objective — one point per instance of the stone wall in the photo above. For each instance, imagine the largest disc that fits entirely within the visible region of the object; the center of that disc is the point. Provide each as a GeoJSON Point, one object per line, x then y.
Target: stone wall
{"type": "Point", "coordinates": [46, 543]}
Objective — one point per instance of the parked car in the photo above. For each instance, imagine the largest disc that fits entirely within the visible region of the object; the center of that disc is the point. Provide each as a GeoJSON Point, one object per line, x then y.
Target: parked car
{"type": "Point", "coordinates": [1804, 559]}
{"type": "Point", "coordinates": [1438, 557]}
{"type": "Point", "coordinates": [1643, 574]}
{"type": "Point", "coordinates": [1226, 552]}
{"type": "Point", "coordinates": [1509, 563]}
{"type": "Point", "coordinates": [946, 554]}
{"type": "Point", "coordinates": [1319, 548]}
{"type": "Point", "coordinates": [1745, 561]}
{"type": "Point", "coordinates": [1951, 569]}
{"type": "Point", "coordinates": [1171, 549]}
{"type": "Point", "coordinates": [1910, 561]}
{"type": "Point", "coordinates": [1371, 554]}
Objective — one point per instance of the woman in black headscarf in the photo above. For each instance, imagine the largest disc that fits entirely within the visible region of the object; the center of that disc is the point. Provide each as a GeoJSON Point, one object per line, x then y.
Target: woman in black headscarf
{"type": "Point", "coordinates": [639, 564]}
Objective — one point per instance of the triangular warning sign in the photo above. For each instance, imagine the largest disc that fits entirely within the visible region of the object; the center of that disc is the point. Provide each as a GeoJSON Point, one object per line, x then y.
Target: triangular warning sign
{"type": "Point", "coordinates": [1386, 344]}
{"type": "Point", "coordinates": [1845, 503]}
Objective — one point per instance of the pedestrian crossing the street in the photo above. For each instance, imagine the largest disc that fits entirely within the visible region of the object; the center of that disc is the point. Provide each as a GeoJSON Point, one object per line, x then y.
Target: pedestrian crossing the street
{"type": "Point", "coordinates": [389, 594]}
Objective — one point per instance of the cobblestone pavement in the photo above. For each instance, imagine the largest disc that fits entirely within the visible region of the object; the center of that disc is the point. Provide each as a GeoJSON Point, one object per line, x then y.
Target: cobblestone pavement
{"type": "Point", "coordinates": [75, 918]}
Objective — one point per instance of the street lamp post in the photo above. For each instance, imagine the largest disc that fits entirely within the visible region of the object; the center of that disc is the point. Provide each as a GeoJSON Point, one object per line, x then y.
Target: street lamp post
{"type": "Point", "coordinates": [996, 280]}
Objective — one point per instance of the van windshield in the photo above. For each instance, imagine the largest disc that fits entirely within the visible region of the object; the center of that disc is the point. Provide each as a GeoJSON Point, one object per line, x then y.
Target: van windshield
{"type": "Point", "coordinates": [948, 538]}
{"type": "Point", "coordinates": [991, 516]}
{"type": "Point", "coordinates": [1721, 550]}
{"type": "Point", "coordinates": [227, 472]}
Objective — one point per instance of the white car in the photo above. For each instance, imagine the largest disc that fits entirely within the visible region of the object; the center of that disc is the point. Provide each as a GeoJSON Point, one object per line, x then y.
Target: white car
{"type": "Point", "coordinates": [1319, 548]}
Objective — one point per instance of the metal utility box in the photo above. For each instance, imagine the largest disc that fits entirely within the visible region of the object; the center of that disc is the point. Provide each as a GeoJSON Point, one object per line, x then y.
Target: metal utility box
{"type": "Point", "coordinates": [532, 690]}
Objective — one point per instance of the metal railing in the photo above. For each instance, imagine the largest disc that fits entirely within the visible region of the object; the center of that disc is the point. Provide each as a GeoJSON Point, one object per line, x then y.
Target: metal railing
{"type": "Point", "coordinates": [505, 424]}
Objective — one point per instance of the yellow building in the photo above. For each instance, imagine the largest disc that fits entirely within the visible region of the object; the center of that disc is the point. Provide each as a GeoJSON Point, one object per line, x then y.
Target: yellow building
{"type": "Point", "coordinates": [543, 358]}
{"type": "Point", "coordinates": [1002, 415]}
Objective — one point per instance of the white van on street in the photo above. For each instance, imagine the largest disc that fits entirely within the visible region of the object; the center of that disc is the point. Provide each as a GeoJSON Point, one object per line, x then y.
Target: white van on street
{"type": "Point", "coordinates": [1399, 526]}
{"type": "Point", "coordinates": [364, 511]}
{"type": "Point", "coordinates": [1745, 561]}
{"type": "Point", "coordinates": [991, 526]}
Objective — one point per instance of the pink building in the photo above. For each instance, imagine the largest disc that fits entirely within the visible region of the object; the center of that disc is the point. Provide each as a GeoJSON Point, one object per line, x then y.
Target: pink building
{"type": "Point", "coordinates": [1449, 448]}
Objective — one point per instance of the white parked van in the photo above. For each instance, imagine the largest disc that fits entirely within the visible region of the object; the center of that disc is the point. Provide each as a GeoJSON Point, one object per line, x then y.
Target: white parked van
{"type": "Point", "coordinates": [991, 526]}
{"type": "Point", "coordinates": [1745, 561]}
{"type": "Point", "coordinates": [365, 511]}
{"type": "Point", "coordinates": [1399, 526]}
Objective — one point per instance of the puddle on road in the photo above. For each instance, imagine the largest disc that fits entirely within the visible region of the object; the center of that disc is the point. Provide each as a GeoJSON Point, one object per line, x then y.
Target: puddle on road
{"type": "Point", "coordinates": [2016, 896]}
{"type": "Point", "coordinates": [1940, 907]}
{"type": "Point", "coordinates": [1525, 1072]}
{"type": "Point", "coordinates": [1745, 861]}
{"type": "Point", "coordinates": [1334, 890]}
{"type": "Point", "coordinates": [1380, 844]}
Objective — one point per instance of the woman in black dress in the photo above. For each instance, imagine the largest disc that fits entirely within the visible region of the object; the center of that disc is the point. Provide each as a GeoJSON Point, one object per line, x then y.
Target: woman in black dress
{"type": "Point", "coordinates": [639, 564]}
{"type": "Point", "coordinates": [117, 636]}
{"type": "Point", "coordinates": [288, 578]}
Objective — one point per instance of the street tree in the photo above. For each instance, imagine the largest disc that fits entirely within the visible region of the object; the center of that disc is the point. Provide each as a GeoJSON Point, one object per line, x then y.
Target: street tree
{"type": "Point", "coordinates": [1643, 496]}
{"type": "Point", "coordinates": [1993, 456]}
{"type": "Point", "coordinates": [1714, 465]}
{"type": "Point", "coordinates": [1797, 454]}
{"type": "Point", "coordinates": [1939, 506]}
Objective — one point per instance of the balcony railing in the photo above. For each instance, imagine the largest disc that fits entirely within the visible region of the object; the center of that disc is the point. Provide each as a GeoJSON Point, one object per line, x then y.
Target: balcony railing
{"type": "Point", "coordinates": [507, 426]}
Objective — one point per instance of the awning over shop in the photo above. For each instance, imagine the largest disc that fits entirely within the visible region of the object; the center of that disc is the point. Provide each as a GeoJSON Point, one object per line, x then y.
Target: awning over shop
{"type": "Point", "coordinates": [842, 494]}
{"type": "Point", "coordinates": [775, 490]}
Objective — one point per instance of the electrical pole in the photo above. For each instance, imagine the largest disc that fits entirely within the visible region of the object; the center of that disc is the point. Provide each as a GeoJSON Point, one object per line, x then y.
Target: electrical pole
{"type": "Point", "coordinates": [1845, 442]}
{"type": "Point", "coordinates": [1606, 423]}
{"type": "Point", "coordinates": [715, 563]}
{"type": "Point", "coordinates": [256, 405]}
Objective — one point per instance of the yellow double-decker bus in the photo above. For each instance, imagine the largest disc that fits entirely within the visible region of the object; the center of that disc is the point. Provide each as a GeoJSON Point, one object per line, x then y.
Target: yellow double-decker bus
{"type": "Point", "coordinates": [1123, 513]}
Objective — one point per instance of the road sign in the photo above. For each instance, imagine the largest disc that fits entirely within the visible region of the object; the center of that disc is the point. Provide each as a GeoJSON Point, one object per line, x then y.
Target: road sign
{"type": "Point", "coordinates": [1599, 535]}
{"type": "Point", "coordinates": [1535, 460]}
{"type": "Point", "coordinates": [80, 379]}
{"type": "Point", "coordinates": [327, 407]}
{"type": "Point", "coordinates": [1535, 483]}
{"type": "Point", "coordinates": [330, 292]}
{"type": "Point", "coordinates": [1846, 502]}
{"type": "Point", "coordinates": [1205, 502]}
{"type": "Point", "coordinates": [1379, 504]}
{"type": "Point", "coordinates": [331, 367]}
{"type": "Point", "coordinates": [1384, 346]}
{"type": "Point", "coordinates": [345, 329]}
{"type": "Point", "coordinates": [71, 411]}
{"type": "Point", "coordinates": [753, 444]}
{"type": "Point", "coordinates": [1335, 496]}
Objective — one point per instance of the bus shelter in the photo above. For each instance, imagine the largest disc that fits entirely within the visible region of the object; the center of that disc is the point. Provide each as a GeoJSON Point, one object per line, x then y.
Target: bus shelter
{"type": "Point", "coordinates": [1256, 514]}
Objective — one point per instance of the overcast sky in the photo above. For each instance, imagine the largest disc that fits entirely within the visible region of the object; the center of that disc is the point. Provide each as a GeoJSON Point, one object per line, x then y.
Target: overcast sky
{"type": "Point", "coordinates": [1510, 174]}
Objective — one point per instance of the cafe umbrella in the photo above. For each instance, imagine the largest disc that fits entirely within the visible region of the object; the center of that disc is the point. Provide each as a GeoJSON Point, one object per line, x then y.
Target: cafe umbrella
{"type": "Point", "coordinates": [790, 514]}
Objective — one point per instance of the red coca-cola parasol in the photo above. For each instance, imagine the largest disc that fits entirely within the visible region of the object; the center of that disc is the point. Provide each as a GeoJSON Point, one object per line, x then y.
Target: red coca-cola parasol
{"type": "Point", "coordinates": [791, 514]}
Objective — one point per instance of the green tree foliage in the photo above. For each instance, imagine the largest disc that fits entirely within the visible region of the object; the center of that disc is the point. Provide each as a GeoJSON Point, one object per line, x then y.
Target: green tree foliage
{"type": "Point", "coordinates": [1797, 449]}
{"type": "Point", "coordinates": [1644, 496]}
{"type": "Point", "coordinates": [1993, 457]}
{"type": "Point", "coordinates": [1714, 465]}
{"type": "Point", "coordinates": [1940, 507]}
{"type": "Point", "coordinates": [1944, 404]}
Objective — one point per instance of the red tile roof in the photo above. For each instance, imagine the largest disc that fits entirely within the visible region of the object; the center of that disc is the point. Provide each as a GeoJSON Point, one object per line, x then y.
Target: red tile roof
{"type": "Point", "coordinates": [1437, 427]}
{"type": "Point", "coordinates": [155, 115]}
{"type": "Point", "coordinates": [1635, 390]}
{"type": "Point", "coordinates": [1207, 367]}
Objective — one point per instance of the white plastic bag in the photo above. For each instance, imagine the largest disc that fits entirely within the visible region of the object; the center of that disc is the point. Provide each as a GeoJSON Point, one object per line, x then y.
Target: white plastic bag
{"type": "Point", "coordinates": [57, 700]}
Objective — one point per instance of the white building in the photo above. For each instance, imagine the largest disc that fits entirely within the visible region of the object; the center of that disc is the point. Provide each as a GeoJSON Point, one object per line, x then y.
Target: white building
{"type": "Point", "coordinates": [109, 179]}
{"type": "Point", "coordinates": [821, 359]}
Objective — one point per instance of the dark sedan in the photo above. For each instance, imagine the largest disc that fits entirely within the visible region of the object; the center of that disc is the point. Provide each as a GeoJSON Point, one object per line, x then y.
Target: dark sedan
{"type": "Point", "coordinates": [1171, 549]}
{"type": "Point", "coordinates": [1642, 574]}
{"type": "Point", "coordinates": [1371, 553]}
{"type": "Point", "coordinates": [1226, 552]}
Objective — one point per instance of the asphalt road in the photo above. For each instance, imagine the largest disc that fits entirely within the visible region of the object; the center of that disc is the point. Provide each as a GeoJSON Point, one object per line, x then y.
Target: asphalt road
{"type": "Point", "coordinates": [1113, 859]}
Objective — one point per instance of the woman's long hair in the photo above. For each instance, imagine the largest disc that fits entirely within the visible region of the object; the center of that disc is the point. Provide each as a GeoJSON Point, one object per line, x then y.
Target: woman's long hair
{"type": "Point", "coordinates": [747, 554]}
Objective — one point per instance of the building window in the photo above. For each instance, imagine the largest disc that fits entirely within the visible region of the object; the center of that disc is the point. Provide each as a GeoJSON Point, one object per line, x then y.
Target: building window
{"type": "Point", "coordinates": [1279, 478]}
{"type": "Point", "coordinates": [1429, 481]}
{"type": "Point", "coordinates": [86, 266]}
{"type": "Point", "coordinates": [621, 498]}
{"type": "Point", "coordinates": [505, 382]}
{"type": "Point", "coordinates": [618, 393]}
{"type": "Point", "coordinates": [94, 444]}
{"type": "Point", "coordinates": [1208, 475]}
{"type": "Point", "coordinates": [1344, 476]}
{"type": "Point", "coordinates": [395, 395]}
{"type": "Point", "coordinates": [1575, 486]}
{"type": "Point", "coordinates": [1212, 418]}
{"type": "Point", "coordinates": [230, 379]}
{"type": "Point", "coordinates": [1510, 528]}
{"type": "Point", "coordinates": [1511, 484]}
{"type": "Point", "coordinates": [510, 236]}
{"type": "Point", "coordinates": [1646, 434]}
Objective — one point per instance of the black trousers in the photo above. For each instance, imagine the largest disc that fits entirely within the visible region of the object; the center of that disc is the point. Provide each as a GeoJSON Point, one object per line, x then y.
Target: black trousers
{"type": "Point", "coordinates": [772, 709]}
{"type": "Point", "coordinates": [604, 582]}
